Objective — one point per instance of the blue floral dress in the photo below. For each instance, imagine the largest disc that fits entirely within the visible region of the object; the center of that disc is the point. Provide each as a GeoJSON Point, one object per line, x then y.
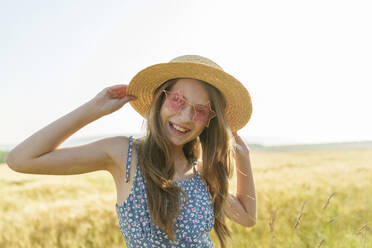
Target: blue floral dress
{"type": "Point", "coordinates": [193, 224]}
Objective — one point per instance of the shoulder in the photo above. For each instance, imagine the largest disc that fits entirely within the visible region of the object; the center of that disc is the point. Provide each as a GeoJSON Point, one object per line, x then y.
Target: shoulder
{"type": "Point", "coordinates": [117, 142]}
{"type": "Point", "coordinates": [199, 166]}
{"type": "Point", "coordinates": [117, 148]}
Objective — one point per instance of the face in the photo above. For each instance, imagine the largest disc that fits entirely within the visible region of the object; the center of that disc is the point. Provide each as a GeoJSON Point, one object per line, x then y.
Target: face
{"type": "Point", "coordinates": [183, 119]}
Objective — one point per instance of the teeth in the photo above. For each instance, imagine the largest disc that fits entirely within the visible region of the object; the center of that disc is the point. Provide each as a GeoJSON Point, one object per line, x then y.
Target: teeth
{"type": "Point", "coordinates": [179, 128]}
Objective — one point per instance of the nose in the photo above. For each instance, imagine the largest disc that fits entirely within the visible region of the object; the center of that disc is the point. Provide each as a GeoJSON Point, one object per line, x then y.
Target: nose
{"type": "Point", "coordinates": [187, 113]}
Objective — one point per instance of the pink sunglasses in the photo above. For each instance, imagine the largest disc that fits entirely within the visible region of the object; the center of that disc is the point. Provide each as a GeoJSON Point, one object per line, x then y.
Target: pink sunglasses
{"type": "Point", "coordinates": [175, 101]}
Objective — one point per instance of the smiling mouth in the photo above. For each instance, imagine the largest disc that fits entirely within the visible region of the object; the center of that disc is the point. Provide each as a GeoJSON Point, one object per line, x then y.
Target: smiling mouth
{"type": "Point", "coordinates": [178, 128]}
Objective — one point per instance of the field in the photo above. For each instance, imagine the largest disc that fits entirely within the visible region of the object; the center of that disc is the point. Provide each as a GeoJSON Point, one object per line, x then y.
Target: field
{"type": "Point", "coordinates": [317, 198]}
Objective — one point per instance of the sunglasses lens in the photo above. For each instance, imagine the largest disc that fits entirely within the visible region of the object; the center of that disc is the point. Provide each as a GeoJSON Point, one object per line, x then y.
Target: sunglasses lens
{"type": "Point", "coordinates": [174, 101]}
{"type": "Point", "coordinates": [201, 113]}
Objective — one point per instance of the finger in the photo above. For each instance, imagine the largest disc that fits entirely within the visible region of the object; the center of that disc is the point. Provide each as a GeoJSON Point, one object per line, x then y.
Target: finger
{"type": "Point", "coordinates": [127, 98]}
{"type": "Point", "coordinates": [118, 85]}
{"type": "Point", "coordinates": [119, 89]}
{"type": "Point", "coordinates": [131, 98]}
{"type": "Point", "coordinates": [118, 93]}
{"type": "Point", "coordinates": [235, 134]}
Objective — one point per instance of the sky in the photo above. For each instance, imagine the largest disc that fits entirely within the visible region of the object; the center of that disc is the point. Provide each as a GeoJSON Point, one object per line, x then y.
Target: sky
{"type": "Point", "coordinates": [306, 64]}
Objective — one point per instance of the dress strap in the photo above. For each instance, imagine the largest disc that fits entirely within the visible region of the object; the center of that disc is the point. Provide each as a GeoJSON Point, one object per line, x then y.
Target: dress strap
{"type": "Point", "coordinates": [195, 164]}
{"type": "Point", "coordinates": [129, 158]}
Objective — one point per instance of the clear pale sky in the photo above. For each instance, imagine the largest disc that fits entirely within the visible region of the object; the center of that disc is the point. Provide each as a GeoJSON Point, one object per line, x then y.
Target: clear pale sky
{"type": "Point", "coordinates": [306, 64]}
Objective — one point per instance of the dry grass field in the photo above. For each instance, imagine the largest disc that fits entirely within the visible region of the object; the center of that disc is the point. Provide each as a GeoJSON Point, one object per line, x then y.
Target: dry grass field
{"type": "Point", "coordinates": [305, 199]}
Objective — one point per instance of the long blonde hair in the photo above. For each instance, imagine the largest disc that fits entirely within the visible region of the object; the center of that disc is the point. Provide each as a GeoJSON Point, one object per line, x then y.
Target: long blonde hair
{"type": "Point", "coordinates": [214, 146]}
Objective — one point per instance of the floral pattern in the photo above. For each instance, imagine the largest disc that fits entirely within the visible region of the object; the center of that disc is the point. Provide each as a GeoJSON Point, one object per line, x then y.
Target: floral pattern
{"type": "Point", "coordinates": [193, 224]}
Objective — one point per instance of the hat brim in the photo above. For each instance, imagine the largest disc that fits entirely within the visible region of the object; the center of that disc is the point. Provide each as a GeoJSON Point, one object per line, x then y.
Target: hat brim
{"type": "Point", "coordinates": [144, 83]}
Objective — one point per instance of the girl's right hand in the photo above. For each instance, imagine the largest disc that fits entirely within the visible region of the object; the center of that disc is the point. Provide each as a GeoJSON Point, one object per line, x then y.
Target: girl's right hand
{"type": "Point", "coordinates": [112, 98]}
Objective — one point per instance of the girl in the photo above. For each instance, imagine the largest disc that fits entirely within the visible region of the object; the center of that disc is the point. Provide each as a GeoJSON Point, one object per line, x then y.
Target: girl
{"type": "Point", "coordinates": [172, 184]}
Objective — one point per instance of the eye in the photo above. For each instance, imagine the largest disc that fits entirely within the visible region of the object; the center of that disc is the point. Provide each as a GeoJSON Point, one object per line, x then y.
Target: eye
{"type": "Point", "coordinates": [202, 110]}
{"type": "Point", "coordinates": [173, 98]}
{"type": "Point", "coordinates": [178, 98]}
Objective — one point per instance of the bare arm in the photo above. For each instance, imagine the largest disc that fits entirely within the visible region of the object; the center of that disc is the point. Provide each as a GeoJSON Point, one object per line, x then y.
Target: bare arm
{"type": "Point", "coordinates": [38, 154]}
{"type": "Point", "coordinates": [241, 207]}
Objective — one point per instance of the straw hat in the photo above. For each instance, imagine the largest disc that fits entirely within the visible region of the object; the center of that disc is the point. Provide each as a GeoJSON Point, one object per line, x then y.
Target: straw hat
{"type": "Point", "coordinates": [143, 85]}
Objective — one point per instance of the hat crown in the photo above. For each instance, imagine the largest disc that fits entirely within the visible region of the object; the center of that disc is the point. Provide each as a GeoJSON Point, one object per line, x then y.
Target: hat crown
{"type": "Point", "coordinates": [196, 59]}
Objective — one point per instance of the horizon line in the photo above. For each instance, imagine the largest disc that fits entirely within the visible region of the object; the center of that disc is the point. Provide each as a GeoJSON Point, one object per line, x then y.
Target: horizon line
{"type": "Point", "coordinates": [74, 141]}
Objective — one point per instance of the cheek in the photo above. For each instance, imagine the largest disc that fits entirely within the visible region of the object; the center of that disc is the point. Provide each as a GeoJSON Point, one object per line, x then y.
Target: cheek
{"type": "Point", "coordinates": [164, 114]}
{"type": "Point", "coordinates": [199, 128]}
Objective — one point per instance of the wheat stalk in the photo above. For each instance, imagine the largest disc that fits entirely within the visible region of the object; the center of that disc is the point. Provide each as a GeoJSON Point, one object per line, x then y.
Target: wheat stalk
{"type": "Point", "coordinates": [328, 200]}
{"type": "Point", "coordinates": [331, 220]}
{"type": "Point", "coordinates": [301, 213]}
{"type": "Point", "coordinates": [363, 230]}
{"type": "Point", "coordinates": [272, 221]}
{"type": "Point", "coordinates": [365, 226]}
{"type": "Point", "coordinates": [271, 224]}
{"type": "Point", "coordinates": [321, 243]}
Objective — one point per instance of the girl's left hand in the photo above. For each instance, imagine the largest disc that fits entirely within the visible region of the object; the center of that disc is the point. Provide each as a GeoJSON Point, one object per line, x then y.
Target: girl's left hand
{"type": "Point", "coordinates": [235, 134]}
{"type": "Point", "coordinates": [240, 144]}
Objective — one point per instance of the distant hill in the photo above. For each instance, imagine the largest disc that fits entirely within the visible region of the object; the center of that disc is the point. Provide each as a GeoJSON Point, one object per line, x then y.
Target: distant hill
{"type": "Point", "coordinates": [322, 146]}
{"type": "Point", "coordinates": [2, 156]}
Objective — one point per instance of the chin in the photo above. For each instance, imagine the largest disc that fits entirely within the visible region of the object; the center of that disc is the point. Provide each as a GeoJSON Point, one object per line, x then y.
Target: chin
{"type": "Point", "coordinates": [179, 142]}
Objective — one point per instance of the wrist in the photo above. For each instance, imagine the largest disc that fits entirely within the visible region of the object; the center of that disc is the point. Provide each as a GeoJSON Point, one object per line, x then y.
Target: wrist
{"type": "Point", "coordinates": [92, 110]}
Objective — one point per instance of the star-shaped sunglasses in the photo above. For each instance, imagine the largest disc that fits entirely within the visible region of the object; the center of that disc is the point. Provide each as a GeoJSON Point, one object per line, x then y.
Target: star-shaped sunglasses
{"type": "Point", "coordinates": [175, 101]}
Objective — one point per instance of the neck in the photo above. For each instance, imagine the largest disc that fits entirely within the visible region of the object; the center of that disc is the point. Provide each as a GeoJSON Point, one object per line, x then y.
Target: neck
{"type": "Point", "coordinates": [180, 161]}
{"type": "Point", "coordinates": [178, 153]}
